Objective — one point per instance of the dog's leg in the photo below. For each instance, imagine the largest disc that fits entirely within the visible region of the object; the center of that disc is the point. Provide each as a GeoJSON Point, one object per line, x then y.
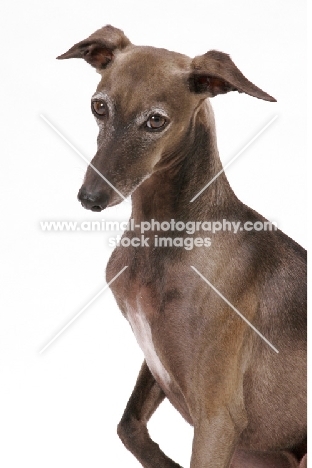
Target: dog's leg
{"type": "Point", "coordinates": [215, 440]}
{"type": "Point", "coordinates": [244, 459]}
{"type": "Point", "coordinates": [218, 412]}
{"type": "Point", "coordinates": [132, 430]}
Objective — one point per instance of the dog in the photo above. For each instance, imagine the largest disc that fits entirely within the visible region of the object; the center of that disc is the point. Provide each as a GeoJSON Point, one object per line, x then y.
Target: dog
{"type": "Point", "coordinates": [237, 378]}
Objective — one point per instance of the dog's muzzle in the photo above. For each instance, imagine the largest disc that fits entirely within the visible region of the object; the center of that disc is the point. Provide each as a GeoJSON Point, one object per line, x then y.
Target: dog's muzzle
{"type": "Point", "coordinates": [94, 201]}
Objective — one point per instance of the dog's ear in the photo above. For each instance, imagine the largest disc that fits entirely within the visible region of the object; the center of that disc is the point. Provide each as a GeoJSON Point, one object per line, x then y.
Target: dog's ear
{"type": "Point", "coordinates": [214, 73]}
{"type": "Point", "coordinates": [98, 49]}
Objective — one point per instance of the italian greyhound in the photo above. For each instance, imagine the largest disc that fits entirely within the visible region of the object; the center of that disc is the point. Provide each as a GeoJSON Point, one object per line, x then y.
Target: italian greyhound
{"type": "Point", "coordinates": [246, 400]}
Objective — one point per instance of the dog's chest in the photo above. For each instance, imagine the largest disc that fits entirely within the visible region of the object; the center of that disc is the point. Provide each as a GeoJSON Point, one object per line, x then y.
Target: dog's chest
{"type": "Point", "coordinates": [143, 333]}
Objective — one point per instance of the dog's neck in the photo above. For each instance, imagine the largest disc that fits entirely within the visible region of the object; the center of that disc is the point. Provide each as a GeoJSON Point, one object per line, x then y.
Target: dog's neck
{"type": "Point", "coordinates": [168, 192]}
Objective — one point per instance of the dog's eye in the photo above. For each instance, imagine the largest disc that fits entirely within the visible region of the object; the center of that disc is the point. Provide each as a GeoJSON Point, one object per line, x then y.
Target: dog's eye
{"type": "Point", "coordinates": [156, 122]}
{"type": "Point", "coordinates": [98, 108]}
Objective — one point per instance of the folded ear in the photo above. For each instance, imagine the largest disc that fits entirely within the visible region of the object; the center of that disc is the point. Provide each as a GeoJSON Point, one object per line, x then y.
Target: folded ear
{"type": "Point", "coordinates": [98, 49]}
{"type": "Point", "coordinates": [215, 73]}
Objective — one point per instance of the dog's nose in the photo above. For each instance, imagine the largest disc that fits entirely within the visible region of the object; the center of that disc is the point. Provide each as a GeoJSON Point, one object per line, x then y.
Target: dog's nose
{"type": "Point", "coordinates": [94, 201]}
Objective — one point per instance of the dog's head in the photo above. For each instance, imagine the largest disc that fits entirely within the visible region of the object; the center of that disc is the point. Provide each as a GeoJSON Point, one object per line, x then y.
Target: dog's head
{"type": "Point", "coordinates": [144, 105]}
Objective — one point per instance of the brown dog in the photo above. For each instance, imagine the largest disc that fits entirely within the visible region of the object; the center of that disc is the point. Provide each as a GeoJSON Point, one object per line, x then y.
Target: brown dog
{"type": "Point", "coordinates": [157, 142]}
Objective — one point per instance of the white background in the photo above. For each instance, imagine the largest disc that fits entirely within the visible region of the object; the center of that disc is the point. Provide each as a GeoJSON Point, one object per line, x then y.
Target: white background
{"type": "Point", "coordinates": [60, 408]}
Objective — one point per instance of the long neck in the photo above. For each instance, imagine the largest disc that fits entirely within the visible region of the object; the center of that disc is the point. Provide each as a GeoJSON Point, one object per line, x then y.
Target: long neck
{"type": "Point", "coordinates": [168, 192]}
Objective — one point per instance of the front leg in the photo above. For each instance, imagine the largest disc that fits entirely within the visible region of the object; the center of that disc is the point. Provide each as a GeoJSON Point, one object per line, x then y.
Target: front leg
{"type": "Point", "coordinates": [215, 440]}
{"type": "Point", "coordinates": [132, 430]}
{"type": "Point", "coordinates": [247, 459]}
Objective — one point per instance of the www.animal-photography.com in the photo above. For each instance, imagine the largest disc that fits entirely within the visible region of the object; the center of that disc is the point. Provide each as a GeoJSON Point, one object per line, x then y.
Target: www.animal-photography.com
{"type": "Point", "coordinates": [154, 235]}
